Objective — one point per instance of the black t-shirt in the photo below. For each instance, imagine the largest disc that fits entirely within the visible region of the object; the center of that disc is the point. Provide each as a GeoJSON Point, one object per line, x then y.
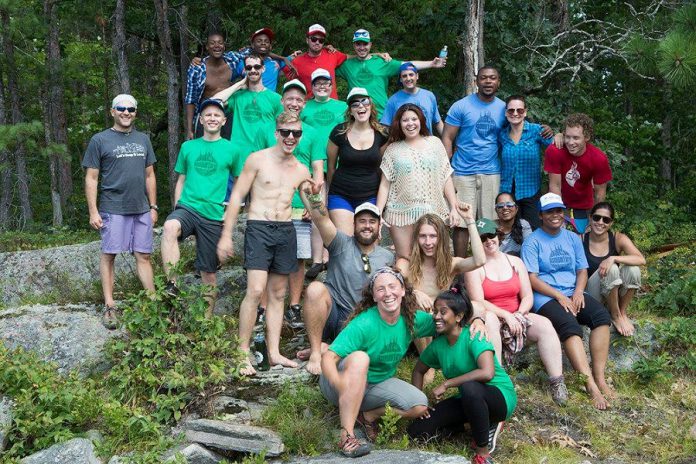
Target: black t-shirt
{"type": "Point", "coordinates": [358, 174]}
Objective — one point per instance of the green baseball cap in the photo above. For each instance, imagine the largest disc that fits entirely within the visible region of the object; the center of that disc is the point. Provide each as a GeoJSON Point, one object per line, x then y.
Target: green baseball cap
{"type": "Point", "coordinates": [486, 226]}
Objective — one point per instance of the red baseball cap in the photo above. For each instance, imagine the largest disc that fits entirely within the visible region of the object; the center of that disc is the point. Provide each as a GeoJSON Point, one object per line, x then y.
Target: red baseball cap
{"type": "Point", "coordinates": [264, 30]}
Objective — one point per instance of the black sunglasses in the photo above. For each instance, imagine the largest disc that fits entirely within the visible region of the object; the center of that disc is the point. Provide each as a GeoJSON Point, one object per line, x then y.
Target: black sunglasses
{"type": "Point", "coordinates": [485, 237]}
{"type": "Point", "coordinates": [130, 109]}
{"type": "Point", "coordinates": [604, 219]}
{"type": "Point", "coordinates": [360, 101]}
{"type": "Point", "coordinates": [285, 133]}
{"type": "Point", "coordinates": [249, 67]}
{"type": "Point", "coordinates": [366, 263]}
{"type": "Point", "coordinates": [317, 39]}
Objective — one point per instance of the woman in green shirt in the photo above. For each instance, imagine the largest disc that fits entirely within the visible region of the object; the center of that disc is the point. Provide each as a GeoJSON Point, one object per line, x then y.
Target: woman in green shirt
{"type": "Point", "coordinates": [486, 396]}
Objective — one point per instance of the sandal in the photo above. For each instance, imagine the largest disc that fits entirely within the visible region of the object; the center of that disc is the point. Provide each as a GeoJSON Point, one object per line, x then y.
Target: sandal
{"type": "Point", "coordinates": [371, 428]}
{"type": "Point", "coordinates": [110, 317]}
{"type": "Point", "coordinates": [351, 447]}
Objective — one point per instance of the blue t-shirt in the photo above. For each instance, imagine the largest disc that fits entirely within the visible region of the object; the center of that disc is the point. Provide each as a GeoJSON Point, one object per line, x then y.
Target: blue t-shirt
{"type": "Point", "coordinates": [270, 75]}
{"type": "Point", "coordinates": [476, 145]}
{"type": "Point", "coordinates": [424, 99]}
{"type": "Point", "coordinates": [555, 259]}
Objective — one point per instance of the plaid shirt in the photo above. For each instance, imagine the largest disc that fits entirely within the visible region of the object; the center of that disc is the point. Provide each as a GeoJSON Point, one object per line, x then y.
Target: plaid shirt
{"type": "Point", "coordinates": [195, 79]}
{"type": "Point", "coordinates": [522, 160]}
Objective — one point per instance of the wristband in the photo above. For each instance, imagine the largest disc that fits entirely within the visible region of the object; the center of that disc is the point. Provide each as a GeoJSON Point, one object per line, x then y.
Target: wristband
{"type": "Point", "coordinates": [479, 318]}
{"type": "Point", "coordinates": [469, 223]}
{"type": "Point", "coordinates": [155, 207]}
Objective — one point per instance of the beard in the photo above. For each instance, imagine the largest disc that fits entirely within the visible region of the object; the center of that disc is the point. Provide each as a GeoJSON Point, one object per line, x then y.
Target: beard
{"type": "Point", "coordinates": [365, 241]}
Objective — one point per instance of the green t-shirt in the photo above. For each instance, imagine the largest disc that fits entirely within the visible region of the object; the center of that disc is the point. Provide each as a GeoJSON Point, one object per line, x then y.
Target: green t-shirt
{"type": "Point", "coordinates": [324, 116]}
{"type": "Point", "coordinates": [207, 167]}
{"type": "Point", "coordinates": [461, 358]}
{"type": "Point", "coordinates": [385, 344]}
{"type": "Point", "coordinates": [251, 112]}
{"type": "Point", "coordinates": [307, 151]}
{"type": "Point", "coordinates": [373, 74]}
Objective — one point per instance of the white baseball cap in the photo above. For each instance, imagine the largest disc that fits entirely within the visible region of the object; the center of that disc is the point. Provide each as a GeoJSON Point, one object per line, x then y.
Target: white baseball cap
{"type": "Point", "coordinates": [367, 206]}
{"type": "Point", "coordinates": [316, 29]}
{"type": "Point", "coordinates": [550, 201]}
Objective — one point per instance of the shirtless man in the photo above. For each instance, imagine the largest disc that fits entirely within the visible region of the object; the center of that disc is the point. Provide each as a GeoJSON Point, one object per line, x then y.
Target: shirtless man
{"type": "Point", "coordinates": [270, 248]}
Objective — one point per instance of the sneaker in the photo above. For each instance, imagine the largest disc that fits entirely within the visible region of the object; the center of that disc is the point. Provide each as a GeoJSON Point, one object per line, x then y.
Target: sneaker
{"type": "Point", "coordinates": [293, 316]}
{"type": "Point", "coordinates": [559, 393]}
{"type": "Point", "coordinates": [110, 317]}
{"type": "Point", "coordinates": [493, 434]}
{"type": "Point", "coordinates": [315, 270]}
{"type": "Point", "coordinates": [482, 459]}
{"type": "Point", "coordinates": [171, 290]}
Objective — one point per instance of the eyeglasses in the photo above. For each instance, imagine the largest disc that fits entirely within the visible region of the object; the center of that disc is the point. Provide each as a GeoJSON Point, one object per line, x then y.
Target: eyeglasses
{"type": "Point", "coordinates": [317, 40]}
{"type": "Point", "coordinates": [285, 133]}
{"type": "Point", "coordinates": [130, 109]}
{"type": "Point", "coordinates": [322, 83]}
{"type": "Point", "coordinates": [366, 263]}
{"type": "Point", "coordinates": [516, 110]}
{"type": "Point", "coordinates": [604, 219]}
{"type": "Point", "coordinates": [249, 67]}
{"type": "Point", "coordinates": [362, 101]}
{"type": "Point", "coordinates": [505, 204]}
{"type": "Point", "coordinates": [485, 237]}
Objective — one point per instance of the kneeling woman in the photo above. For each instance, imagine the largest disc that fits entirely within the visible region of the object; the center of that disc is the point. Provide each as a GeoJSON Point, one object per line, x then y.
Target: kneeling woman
{"type": "Point", "coordinates": [486, 396]}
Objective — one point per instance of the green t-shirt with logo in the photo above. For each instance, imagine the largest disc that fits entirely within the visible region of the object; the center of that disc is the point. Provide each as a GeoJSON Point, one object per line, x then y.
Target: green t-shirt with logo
{"type": "Point", "coordinates": [461, 358]}
{"type": "Point", "coordinates": [251, 113]}
{"type": "Point", "coordinates": [207, 166]}
{"type": "Point", "coordinates": [324, 116]}
{"type": "Point", "coordinates": [373, 74]}
{"type": "Point", "coordinates": [385, 344]}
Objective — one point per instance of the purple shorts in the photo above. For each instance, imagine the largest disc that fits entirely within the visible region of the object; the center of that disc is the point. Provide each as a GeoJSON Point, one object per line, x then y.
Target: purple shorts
{"type": "Point", "coordinates": [121, 233]}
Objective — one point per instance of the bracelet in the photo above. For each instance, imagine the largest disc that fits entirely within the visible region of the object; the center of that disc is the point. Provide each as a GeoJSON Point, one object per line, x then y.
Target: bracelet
{"type": "Point", "coordinates": [469, 223]}
{"type": "Point", "coordinates": [479, 318]}
{"type": "Point", "coordinates": [155, 207]}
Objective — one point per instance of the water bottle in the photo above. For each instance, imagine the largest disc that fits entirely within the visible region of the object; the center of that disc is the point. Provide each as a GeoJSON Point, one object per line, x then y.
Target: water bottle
{"type": "Point", "coordinates": [261, 353]}
{"type": "Point", "coordinates": [443, 53]}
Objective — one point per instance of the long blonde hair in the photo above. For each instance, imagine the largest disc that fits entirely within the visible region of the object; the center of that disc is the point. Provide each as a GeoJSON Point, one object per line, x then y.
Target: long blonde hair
{"type": "Point", "coordinates": [374, 123]}
{"type": "Point", "coordinates": [443, 257]}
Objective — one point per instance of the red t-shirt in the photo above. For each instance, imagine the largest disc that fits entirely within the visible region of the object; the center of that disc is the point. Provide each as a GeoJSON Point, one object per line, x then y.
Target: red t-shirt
{"type": "Point", "coordinates": [306, 65]}
{"type": "Point", "coordinates": [579, 174]}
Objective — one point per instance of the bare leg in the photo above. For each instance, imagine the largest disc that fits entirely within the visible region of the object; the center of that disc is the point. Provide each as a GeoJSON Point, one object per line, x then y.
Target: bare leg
{"type": "Point", "coordinates": [493, 327]}
{"type": "Point", "coordinates": [210, 279]}
{"type": "Point", "coordinates": [460, 240]}
{"type": "Point", "coordinates": [576, 353]}
{"type": "Point", "coordinates": [317, 307]}
{"type": "Point", "coordinates": [106, 271]}
{"type": "Point", "coordinates": [351, 390]}
{"type": "Point", "coordinates": [599, 349]}
{"type": "Point", "coordinates": [170, 245]}
{"type": "Point", "coordinates": [256, 283]}
{"type": "Point", "coordinates": [343, 219]}
{"type": "Point", "coordinates": [275, 290]}
{"type": "Point", "coordinates": [297, 283]}
{"type": "Point", "coordinates": [402, 240]}
{"type": "Point", "coordinates": [542, 333]}
{"type": "Point", "coordinates": [143, 267]}
{"type": "Point", "coordinates": [413, 413]}
{"type": "Point", "coordinates": [624, 300]}
{"type": "Point", "coordinates": [612, 301]}
{"type": "Point", "coordinates": [421, 344]}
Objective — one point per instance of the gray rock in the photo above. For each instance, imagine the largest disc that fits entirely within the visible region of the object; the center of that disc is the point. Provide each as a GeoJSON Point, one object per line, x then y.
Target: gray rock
{"type": "Point", "coordinates": [117, 460]}
{"type": "Point", "coordinates": [94, 435]}
{"type": "Point", "coordinates": [72, 336]}
{"type": "Point", "coordinates": [5, 420]}
{"type": "Point", "coordinates": [232, 409]}
{"type": "Point", "coordinates": [75, 451]}
{"type": "Point", "coordinates": [385, 457]}
{"type": "Point", "coordinates": [194, 454]}
{"type": "Point", "coordinates": [279, 375]}
{"type": "Point", "coordinates": [232, 437]}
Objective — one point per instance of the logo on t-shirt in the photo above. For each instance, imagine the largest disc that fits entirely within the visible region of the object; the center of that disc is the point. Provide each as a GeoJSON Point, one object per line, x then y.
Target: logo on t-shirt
{"type": "Point", "coordinates": [391, 352]}
{"type": "Point", "coordinates": [364, 76]}
{"type": "Point", "coordinates": [559, 258]}
{"type": "Point", "coordinates": [573, 175]}
{"type": "Point", "coordinates": [323, 117]}
{"type": "Point", "coordinates": [129, 150]}
{"type": "Point", "coordinates": [485, 126]}
{"type": "Point", "coordinates": [251, 114]}
{"type": "Point", "coordinates": [205, 164]}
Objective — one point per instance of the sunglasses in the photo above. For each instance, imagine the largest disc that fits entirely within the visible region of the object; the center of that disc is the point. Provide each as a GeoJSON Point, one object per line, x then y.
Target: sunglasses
{"type": "Point", "coordinates": [317, 40]}
{"type": "Point", "coordinates": [321, 83]}
{"type": "Point", "coordinates": [285, 133]}
{"type": "Point", "coordinates": [485, 237]}
{"type": "Point", "coordinates": [366, 263]}
{"type": "Point", "coordinates": [130, 109]}
{"type": "Point", "coordinates": [505, 204]}
{"type": "Point", "coordinates": [249, 67]}
{"type": "Point", "coordinates": [604, 219]}
{"type": "Point", "coordinates": [516, 110]}
{"type": "Point", "coordinates": [361, 101]}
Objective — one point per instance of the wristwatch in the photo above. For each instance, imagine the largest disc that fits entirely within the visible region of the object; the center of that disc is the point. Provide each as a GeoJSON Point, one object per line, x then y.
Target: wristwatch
{"type": "Point", "coordinates": [155, 207]}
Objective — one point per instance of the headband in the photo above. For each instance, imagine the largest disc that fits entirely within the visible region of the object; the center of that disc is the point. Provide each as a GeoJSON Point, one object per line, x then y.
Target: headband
{"type": "Point", "coordinates": [386, 270]}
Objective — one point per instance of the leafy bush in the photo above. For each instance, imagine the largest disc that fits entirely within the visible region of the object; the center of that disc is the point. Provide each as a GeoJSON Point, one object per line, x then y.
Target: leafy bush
{"type": "Point", "coordinates": [671, 284]}
{"type": "Point", "coordinates": [676, 339]}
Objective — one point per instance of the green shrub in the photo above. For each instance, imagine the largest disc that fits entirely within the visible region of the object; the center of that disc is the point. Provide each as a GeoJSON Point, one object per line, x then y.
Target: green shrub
{"type": "Point", "coordinates": [676, 340]}
{"type": "Point", "coordinates": [671, 284]}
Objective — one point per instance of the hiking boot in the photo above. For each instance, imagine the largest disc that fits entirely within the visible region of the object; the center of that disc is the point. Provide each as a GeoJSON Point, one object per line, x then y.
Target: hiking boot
{"type": "Point", "coordinates": [559, 392]}
{"type": "Point", "coordinates": [171, 290]}
{"type": "Point", "coordinates": [493, 434]}
{"type": "Point", "coordinates": [315, 270]}
{"type": "Point", "coordinates": [482, 459]}
{"type": "Point", "coordinates": [110, 317]}
{"type": "Point", "coordinates": [293, 316]}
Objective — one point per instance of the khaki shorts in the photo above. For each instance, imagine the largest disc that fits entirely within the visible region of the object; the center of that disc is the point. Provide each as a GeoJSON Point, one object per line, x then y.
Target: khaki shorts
{"type": "Point", "coordinates": [479, 191]}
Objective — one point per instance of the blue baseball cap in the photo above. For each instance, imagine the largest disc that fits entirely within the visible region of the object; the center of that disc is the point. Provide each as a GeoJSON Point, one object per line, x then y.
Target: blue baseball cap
{"type": "Point", "coordinates": [408, 66]}
{"type": "Point", "coordinates": [550, 201]}
{"type": "Point", "coordinates": [211, 101]}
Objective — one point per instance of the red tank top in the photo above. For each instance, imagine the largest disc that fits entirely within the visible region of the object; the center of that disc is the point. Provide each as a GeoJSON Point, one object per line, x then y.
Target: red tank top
{"type": "Point", "coordinates": [505, 294]}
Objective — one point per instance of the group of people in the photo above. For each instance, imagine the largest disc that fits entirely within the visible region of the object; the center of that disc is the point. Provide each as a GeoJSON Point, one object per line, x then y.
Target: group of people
{"type": "Point", "coordinates": [319, 179]}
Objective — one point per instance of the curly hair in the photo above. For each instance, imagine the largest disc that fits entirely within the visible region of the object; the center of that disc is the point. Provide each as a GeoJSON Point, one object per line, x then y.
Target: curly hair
{"type": "Point", "coordinates": [443, 257]}
{"type": "Point", "coordinates": [408, 304]}
{"type": "Point", "coordinates": [580, 120]}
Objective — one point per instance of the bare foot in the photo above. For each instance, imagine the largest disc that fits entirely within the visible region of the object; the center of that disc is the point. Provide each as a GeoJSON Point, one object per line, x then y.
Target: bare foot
{"type": "Point", "coordinates": [598, 400]}
{"type": "Point", "coordinates": [630, 329]}
{"type": "Point", "coordinates": [247, 369]}
{"type": "Point", "coordinates": [303, 355]}
{"type": "Point", "coordinates": [314, 364]}
{"type": "Point", "coordinates": [282, 360]}
{"type": "Point", "coordinates": [619, 325]}
{"type": "Point", "coordinates": [429, 377]}
{"type": "Point", "coordinates": [606, 389]}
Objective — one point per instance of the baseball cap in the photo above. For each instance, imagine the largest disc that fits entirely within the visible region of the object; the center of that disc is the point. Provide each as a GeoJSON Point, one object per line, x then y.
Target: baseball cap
{"type": "Point", "coordinates": [486, 226]}
{"type": "Point", "coordinates": [264, 30]}
{"type": "Point", "coordinates": [357, 92]}
{"type": "Point", "coordinates": [367, 206]}
{"type": "Point", "coordinates": [124, 98]}
{"type": "Point", "coordinates": [550, 201]}
{"type": "Point", "coordinates": [296, 84]}
{"type": "Point", "coordinates": [315, 29]}
{"type": "Point", "coordinates": [320, 72]}
{"type": "Point", "coordinates": [211, 102]}
{"type": "Point", "coordinates": [408, 66]}
{"type": "Point", "coordinates": [361, 35]}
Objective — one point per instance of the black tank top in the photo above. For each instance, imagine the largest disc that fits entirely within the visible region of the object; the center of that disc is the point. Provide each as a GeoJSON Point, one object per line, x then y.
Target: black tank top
{"type": "Point", "coordinates": [595, 261]}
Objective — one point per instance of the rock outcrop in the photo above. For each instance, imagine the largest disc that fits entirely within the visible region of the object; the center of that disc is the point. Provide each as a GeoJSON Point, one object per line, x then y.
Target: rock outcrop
{"type": "Point", "coordinates": [228, 436]}
{"type": "Point", "coordinates": [75, 451]}
{"type": "Point", "coordinates": [385, 457]}
{"type": "Point", "coordinates": [5, 421]}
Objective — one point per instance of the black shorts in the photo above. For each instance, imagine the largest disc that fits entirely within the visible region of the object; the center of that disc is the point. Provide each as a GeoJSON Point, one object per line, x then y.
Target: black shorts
{"type": "Point", "coordinates": [270, 246]}
{"type": "Point", "coordinates": [592, 315]}
{"type": "Point", "coordinates": [207, 234]}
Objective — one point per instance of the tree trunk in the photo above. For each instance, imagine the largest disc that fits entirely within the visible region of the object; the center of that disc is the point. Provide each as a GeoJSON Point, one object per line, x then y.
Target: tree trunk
{"type": "Point", "coordinates": [561, 15]}
{"type": "Point", "coordinates": [27, 215]}
{"type": "Point", "coordinates": [666, 135]}
{"type": "Point", "coordinates": [173, 102]}
{"type": "Point", "coordinates": [119, 46]}
{"type": "Point", "coordinates": [5, 162]}
{"type": "Point", "coordinates": [472, 44]}
{"type": "Point", "coordinates": [182, 22]}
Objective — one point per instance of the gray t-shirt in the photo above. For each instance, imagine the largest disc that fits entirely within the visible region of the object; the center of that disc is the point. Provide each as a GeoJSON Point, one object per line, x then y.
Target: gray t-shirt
{"type": "Point", "coordinates": [121, 159]}
{"type": "Point", "coordinates": [509, 246]}
{"type": "Point", "coordinates": [345, 277]}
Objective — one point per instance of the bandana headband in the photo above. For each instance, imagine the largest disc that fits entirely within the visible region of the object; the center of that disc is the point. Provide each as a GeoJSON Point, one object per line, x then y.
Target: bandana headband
{"type": "Point", "coordinates": [385, 270]}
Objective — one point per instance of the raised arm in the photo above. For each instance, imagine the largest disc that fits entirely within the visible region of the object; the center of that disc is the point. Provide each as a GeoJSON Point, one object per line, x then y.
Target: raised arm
{"type": "Point", "coordinates": [225, 94]}
{"type": "Point", "coordinates": [310, 193]}
{"type": "Point", "coordinates": [434, 63]}
{"type": "Point", "coordinates": [478, 256]}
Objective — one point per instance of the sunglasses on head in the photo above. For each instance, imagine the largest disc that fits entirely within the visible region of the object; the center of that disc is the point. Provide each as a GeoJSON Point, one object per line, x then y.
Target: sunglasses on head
{"type": "Point", "coordinates": [505, 204]}
{"type": "Point", "coordinates": [604, 219]}
{"type": "Point", "coordinates": [249, 67]}
{"type": "Point", "coordinates": [515, 110]}
{"type": "Point", "coordinates": [285, 133]}
{"type": "Point", "coordinates": [360, 101]}
{"type": "Point", "coordinates": [121, 109]}
{"type": "Point", "coordinates": [317, 39]}
{"type": "Point", "coordinates": [366, 263]}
